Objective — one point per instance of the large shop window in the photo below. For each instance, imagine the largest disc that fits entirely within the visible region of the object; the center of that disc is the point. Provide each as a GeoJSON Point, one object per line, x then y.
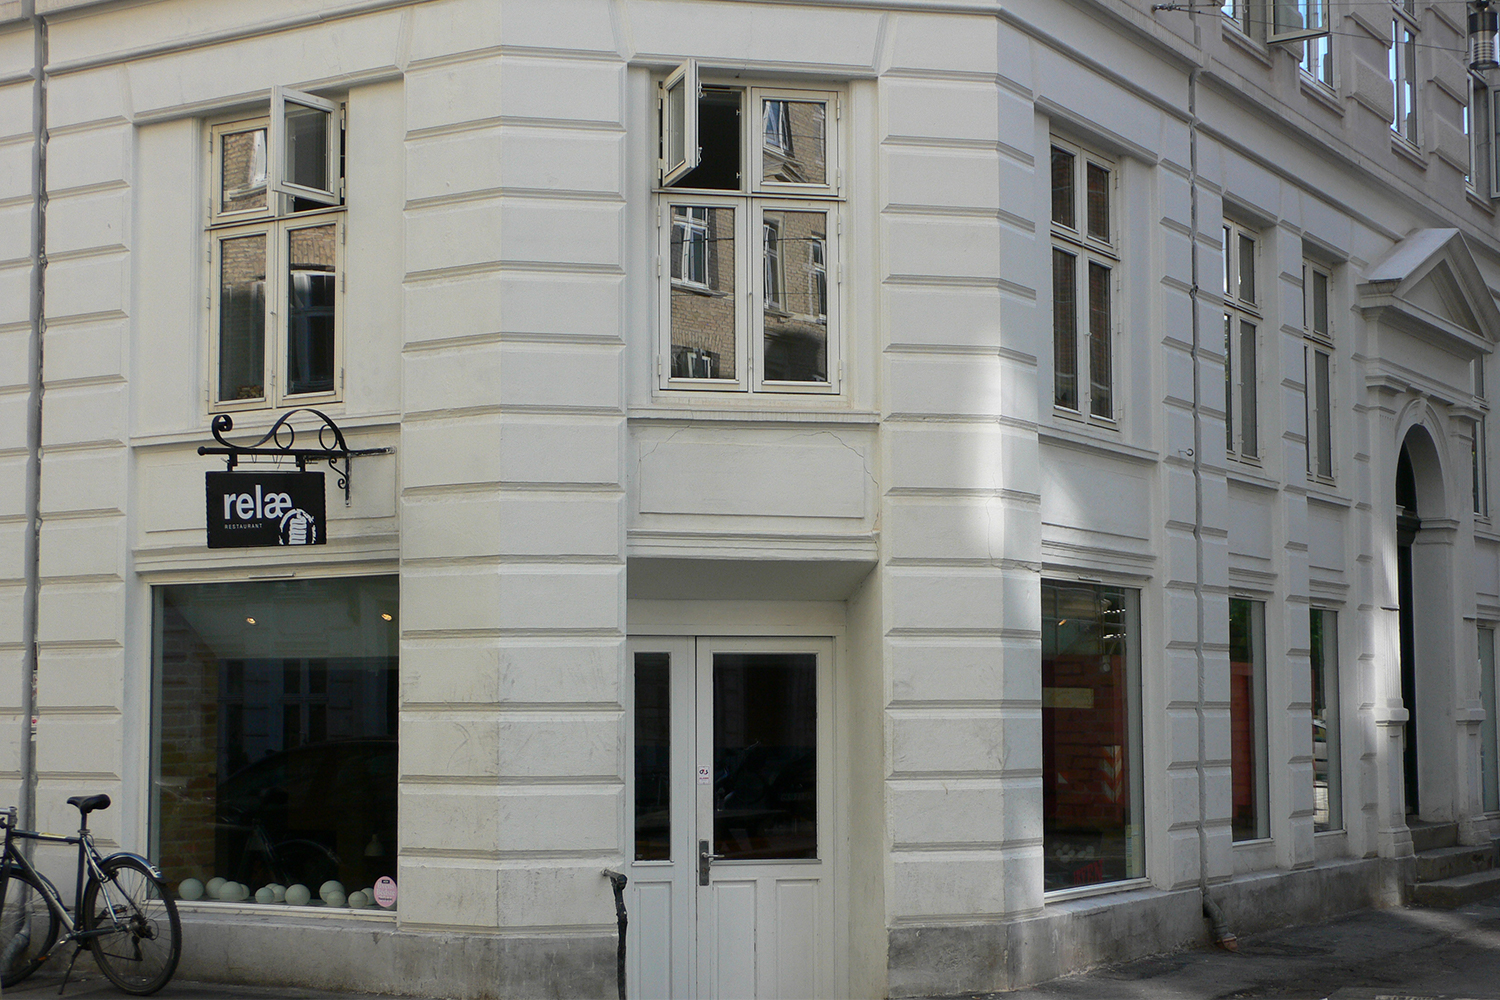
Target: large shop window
{"type": "Point", "coordinates": [1092, 802]}
{"type": "Point", "coordinates": [274, 742]}
{"type": "Point", "coordinates": [1247, 718]}
{"type": "Point", "coordinates": [276, 231]}
{"type": "Point", "coordinates": [1489, 748]}
{"type": "Point", "coordinates": [750, 217]}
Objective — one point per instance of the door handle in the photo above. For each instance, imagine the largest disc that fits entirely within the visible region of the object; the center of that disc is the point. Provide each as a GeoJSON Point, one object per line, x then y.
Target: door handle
{"type": "Point", "coordinates": [705, 858]}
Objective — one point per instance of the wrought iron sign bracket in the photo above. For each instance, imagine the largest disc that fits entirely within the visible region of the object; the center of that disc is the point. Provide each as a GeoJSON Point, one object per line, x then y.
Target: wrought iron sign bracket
{"type": "Point", "coordinates": [332, 448]}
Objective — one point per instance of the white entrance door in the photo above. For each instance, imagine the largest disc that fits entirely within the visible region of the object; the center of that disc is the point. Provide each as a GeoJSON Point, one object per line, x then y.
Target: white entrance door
{"type": "Point", "coordinates": [731, 818]}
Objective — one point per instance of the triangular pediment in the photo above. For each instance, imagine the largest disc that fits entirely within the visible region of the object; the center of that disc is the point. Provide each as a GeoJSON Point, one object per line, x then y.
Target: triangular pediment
{"type": "Point", "coordinates": [1430, 286]}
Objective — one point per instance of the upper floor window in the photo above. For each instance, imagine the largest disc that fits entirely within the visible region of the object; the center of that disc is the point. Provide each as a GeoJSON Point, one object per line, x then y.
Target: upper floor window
{"type": "Point", "coordinates": [1242, 319]}
{"type": "Point", "coordinates": [1280, 21]}
{"type": "Point", "coordinates": [1317, 59]}
{"type": "Point", "coordinates": [276, 230]}
{"type": "Point", "coordinates": [742, 313]}
{"type": "Point", "coordinates": [1317, 354]}
{"type": "Point", "coordinates": [1085, 255]}
{"type": "Point", "coordinates": [1403, 69]}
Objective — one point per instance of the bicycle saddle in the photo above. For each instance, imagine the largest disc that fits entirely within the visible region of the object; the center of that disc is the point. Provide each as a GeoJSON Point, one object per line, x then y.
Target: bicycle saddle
{"type": "Point", "coordinates": [88, 803]}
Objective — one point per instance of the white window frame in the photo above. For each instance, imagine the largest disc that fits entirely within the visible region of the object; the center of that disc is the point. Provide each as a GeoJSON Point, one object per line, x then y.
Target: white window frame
{"type": "Point", "coordinates": [679, 122]}
{"type": "Point", "coordinates": [1479, 130]}
{"type": "Point", "coordinates": [283, 102]}
{"type": "Point", "coordinates": [1318, 341]}
{"type": "Point", "coordinates": [1297, 20]}
{"type": "Point", "coordinates": [1317, 60]}
{"type": "Point", "coordinates": [1406, 121]}
{"type": "Point", "coordinates": [278, 280]}
{"type": "Point", "coordinates": [757, 196]}
{"type": "Point", "coordinates": [1278, 21]}
{"type": "Point", "coordinates": [1076, 239]}
{"type": "Point", "coordinates": [276, 220]}
{"type": "Point", "coordinates": [1242, 395]}
{"type": "Point", "coordinates": [1480, 465]}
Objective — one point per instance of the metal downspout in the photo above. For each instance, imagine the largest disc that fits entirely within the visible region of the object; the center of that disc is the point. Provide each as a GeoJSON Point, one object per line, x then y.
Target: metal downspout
{"type": "Point", "coordinates": [1222, 935]}
{"type": "Point", "coordinates": [31, 540]}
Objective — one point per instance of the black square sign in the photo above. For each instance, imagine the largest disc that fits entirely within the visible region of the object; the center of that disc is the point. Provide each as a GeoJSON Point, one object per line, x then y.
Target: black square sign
{"type": "Point", "coordinates": [247, 509]}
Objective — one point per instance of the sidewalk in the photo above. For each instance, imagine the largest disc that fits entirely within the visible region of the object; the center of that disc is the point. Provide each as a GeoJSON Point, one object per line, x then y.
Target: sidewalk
{"type": "Point", "coordinates": [90, 984]}
{"type": "Point", "coordinates": [1404, 954]}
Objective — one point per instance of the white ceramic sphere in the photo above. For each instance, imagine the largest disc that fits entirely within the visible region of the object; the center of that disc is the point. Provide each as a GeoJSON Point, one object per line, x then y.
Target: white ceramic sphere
{"type": "Point", "coordinates": [330, 886]}
{"type": "Point", "coordinates": [358, 901]}
{"type": "Point", "coordinates": [213, 886]}
{"type": "Point", "coordinates": [298, 895]}
{"type": "Point", "coordinates": [235, 892]}
{"type": "Point", "coordinates": [334, 898]}
{"type": "Point", "coordinates": [190, 889]}
{"type": "Point", "coordinates": [265, 894]}
{"type": "Point", "coordinates": [280, 892]}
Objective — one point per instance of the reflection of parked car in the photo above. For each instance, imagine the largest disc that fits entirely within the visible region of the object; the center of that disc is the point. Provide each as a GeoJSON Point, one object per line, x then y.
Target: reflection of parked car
{"type": "Point", "coordinates": [315, 812]}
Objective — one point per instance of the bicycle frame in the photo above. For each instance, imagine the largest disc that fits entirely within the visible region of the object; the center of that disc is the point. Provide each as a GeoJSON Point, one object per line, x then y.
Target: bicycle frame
{"type": "Point", "coordinates": [88, 859]}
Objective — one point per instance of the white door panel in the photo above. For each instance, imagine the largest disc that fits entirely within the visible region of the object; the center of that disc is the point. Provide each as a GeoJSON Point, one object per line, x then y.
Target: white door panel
{"type": "Point", "coordinates": [732, 756]}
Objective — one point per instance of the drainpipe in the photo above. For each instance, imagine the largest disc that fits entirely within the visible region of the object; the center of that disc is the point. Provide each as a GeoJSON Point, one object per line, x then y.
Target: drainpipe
{"type": "Point", "coordinates": [1222, 935]}
{"type": "Point", "coordinates": [31, 537]}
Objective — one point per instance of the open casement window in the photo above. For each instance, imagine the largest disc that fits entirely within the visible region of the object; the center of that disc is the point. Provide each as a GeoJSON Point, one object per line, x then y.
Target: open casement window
{"type": "Point", "coordinates": [748, 238]}
{"type": "Point", "coordinates": [679, 122]}
{"type": "Point", "coordinates": [1295, 20]}
{"type": "Point", "coordinates": [305, 146]}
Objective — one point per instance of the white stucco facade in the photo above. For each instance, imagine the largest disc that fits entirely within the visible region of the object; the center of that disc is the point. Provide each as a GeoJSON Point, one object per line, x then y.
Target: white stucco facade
{"type": "Point", "coordinates": [556, 504]}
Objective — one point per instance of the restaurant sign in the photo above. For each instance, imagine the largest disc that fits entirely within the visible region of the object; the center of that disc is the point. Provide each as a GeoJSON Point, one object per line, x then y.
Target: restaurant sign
{"type": "Point", "coordinates": [247, 509]}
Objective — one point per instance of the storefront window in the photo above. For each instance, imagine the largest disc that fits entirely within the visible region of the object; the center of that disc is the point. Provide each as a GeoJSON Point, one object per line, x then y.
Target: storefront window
{"type": "Point", "coordinates": [275, 739]}
{"type": "Point", "coordinates": [1091, 735]}
{"type": "Point", "coordinates": [1247, 719]}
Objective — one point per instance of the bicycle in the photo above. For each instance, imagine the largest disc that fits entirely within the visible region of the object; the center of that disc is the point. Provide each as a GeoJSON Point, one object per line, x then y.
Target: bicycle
{"type": "Point", "coordinates": [125, 913]}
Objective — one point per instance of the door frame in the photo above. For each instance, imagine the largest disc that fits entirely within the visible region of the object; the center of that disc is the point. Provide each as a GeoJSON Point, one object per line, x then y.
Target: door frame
{"type": "Point", "coordinates": [658, 621]}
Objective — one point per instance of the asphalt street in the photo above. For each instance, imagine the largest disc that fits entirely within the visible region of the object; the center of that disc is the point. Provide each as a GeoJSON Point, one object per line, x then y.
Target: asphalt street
{"type": "Point", "coordinates": [1399, 954]}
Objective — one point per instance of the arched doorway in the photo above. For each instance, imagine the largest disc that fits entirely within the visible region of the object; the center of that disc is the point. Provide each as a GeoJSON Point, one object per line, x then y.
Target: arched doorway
{"type": "Point", "coordinates": [1408, 523]}
{"type": "Point", "coordinates": [1424, 543]}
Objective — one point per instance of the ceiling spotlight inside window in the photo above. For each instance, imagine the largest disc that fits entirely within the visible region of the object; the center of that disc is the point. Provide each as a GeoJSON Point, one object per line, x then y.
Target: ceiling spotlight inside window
{"type": "Point", "coordinates": [249, 621]}
{"type": "Point", "coordinates": [386, 615]}
{"type": "Point", "coordinates": [1484, 36]}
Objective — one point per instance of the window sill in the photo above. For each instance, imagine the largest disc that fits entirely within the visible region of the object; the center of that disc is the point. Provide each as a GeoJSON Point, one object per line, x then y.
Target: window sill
{"type": "Point", "coordinates": [1321, 92]}
{"type": "Point", "coordinates": [1250, 475]}
{"type": "Point", "coordinates": [1325, 493]}
{"type": "Point", "coordinates": [1479, 201]}
{"type": "Point", "coordinates": [1254, 48]}
{"type": "Point", "coordinates": [1104, 438]}
{"type": "Point", "coordinates": [1097, 889]}
{"type": "Point", "coordinates": [752, 412]}
{"type": "Point", "coordinates": [1404, 148]}
{"type": "Point", "coordinates": [204, 906]}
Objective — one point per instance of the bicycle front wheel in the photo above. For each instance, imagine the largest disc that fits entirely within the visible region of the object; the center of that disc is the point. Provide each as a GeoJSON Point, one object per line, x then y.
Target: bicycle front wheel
{"type": "Point", "coordinates": [142, 935]}
{"type": "Point", "coordinates": [28, 927]}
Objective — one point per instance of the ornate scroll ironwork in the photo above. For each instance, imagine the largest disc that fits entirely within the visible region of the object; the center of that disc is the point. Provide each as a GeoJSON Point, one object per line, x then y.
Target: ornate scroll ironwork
{"type": "Point", "coordinates": [332, 448]}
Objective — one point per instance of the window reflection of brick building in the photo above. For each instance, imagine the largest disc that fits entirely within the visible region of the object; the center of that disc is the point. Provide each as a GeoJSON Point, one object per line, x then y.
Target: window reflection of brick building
{"type": "Point", "coordinates": [703, 290]}
{"type": "Point", "coordinates": [796, 296]}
